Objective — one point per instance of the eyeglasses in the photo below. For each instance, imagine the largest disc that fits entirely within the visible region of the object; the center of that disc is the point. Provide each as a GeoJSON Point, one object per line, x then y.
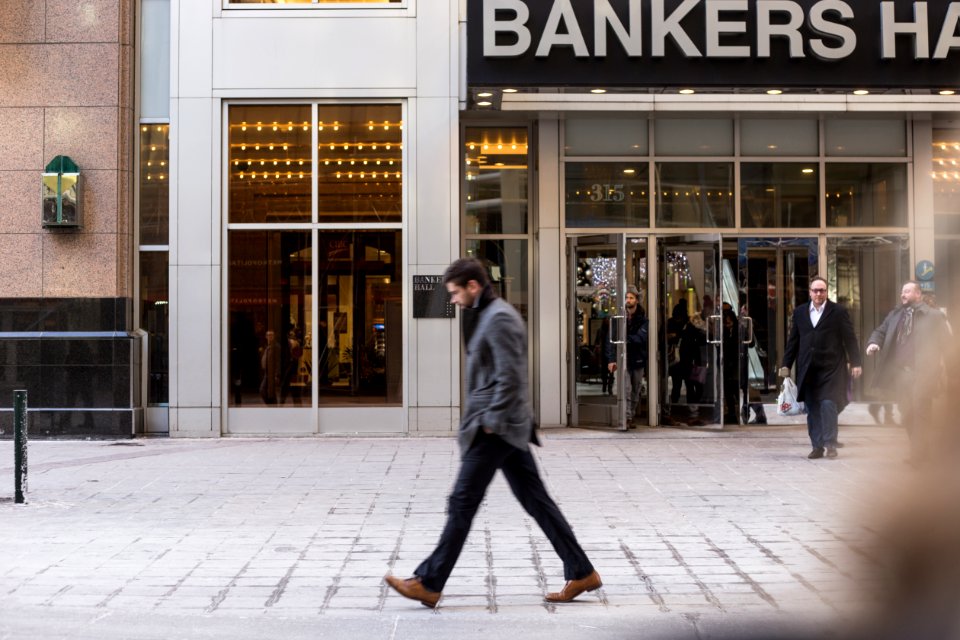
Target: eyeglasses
{"type": "Point", "coordinates": [818, 290]}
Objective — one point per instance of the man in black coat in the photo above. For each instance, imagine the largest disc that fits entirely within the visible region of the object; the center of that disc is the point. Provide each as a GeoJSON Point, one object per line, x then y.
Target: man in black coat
{"type": "Point", "coordinates": [823, 343]}
{"type": "Point", "coordinates": [910, 345]}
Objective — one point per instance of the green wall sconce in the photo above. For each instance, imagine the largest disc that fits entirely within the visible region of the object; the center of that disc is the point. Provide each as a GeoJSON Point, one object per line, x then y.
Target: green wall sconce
{"type": "Point", "coordinates": [60, 194]}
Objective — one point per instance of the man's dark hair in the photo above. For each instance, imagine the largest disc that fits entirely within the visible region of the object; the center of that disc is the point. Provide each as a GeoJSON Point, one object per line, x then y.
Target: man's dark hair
{"type": "Point", "coordinates": [464, 270]}
{"type": "Point", "coordinates": [821, 279]}
{"type": "Point", "coordinates": [914, 283]}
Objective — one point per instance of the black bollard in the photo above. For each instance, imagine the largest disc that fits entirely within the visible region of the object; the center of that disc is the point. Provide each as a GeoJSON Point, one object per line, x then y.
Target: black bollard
{"type": "Point", "coordinates": [20, 444]}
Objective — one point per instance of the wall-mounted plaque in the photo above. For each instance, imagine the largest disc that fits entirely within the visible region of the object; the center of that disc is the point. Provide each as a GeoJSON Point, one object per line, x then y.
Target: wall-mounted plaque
{"type": "Point", "coordinates": [430, 298]}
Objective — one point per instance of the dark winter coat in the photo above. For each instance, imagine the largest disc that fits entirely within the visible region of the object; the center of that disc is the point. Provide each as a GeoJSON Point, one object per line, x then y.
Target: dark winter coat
{"type": "Point", "coordinates": [928, 344]}
{"type": "Point", "coordinates": [822, 353]}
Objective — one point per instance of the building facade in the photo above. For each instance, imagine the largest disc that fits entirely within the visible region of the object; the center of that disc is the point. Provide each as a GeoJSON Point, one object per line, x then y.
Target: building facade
{"type": "Point", "coordinates": [278, 185]}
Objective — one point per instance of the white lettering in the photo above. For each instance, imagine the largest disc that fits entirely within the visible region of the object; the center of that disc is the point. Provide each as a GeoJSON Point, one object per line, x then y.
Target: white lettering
{"type": "Point", "coordinates": [715, 27]}
{"type": "Point", "coordinates": [889, 28]}
{"type": "Point", "coordinates": [820, 25]}
{"type": "Point", "coordinates": [562, 9]}
{"type": "Point", "coordinates": [516, 26]}
{"type": "Point", "coordinates": [948, 38]}
{"type": "Point", "coordinates": [631, 40]}
{"type": "Point", "coordinates": [767, 30]}
{"type": "Point", "coordinates": [662, 27]}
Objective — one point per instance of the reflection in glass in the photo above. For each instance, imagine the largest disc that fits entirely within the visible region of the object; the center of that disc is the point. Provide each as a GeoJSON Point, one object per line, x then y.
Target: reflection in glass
{"type": "Point", "coordinates": [694, 194]}
{"type": "Point", "coordinates": [270, 340]}
{"type": "Point", "coordinates": [866, 195]}
{"type": "Point", "coordinates": [360, 323]}
{"type": "Point", "coordinates": [154, 184]}
{"type": "Point", "coordinates": [270, 163]}
{"type": "Point", "coordinates": [853, 137]}
{"type": "Point", "coordinates": [496, 173]}
{"type": "Point", "coordinates": [359, 163]}
{"type": "Point", "coordinates": [693, 136]}
{"type": "Point", "coordinates": [605, 136]}
{"type": "Point", "coordinates": [154, 319]}
{"type": "Point", "coordinates": [865, 275]}
{"type": "Point", "coordinates": [779, 195]}
{"type": "Point", "coordinates": [607, 194]}
{"type": "Point", "coordinates": [506, 262]}
{"type": "Point", "coordinates": [314, 1]}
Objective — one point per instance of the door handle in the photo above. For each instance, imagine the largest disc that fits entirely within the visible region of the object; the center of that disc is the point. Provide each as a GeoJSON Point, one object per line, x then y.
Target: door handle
{"type": "Point", "coordinates": [618, 327]}
{"type": "Point", "coordinates": [748, 334]}
{"type": "Point", "coordinates": [715, 323]}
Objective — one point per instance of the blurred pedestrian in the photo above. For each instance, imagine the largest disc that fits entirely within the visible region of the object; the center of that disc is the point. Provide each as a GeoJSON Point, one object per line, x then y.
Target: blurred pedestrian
{"type": "Point", "coordinates": [496, 429]}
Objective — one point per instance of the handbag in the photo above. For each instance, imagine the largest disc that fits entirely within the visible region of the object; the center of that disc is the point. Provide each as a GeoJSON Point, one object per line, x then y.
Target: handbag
{"type": "Point", "coordinates": [787, 404]}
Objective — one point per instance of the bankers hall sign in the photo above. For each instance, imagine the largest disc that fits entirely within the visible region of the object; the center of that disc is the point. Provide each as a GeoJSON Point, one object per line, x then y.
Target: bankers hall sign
{"type": "Point", "coordinates": [773, 43]}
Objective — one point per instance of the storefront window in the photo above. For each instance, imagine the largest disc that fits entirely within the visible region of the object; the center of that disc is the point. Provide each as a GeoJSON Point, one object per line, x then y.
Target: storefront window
{"type": "Point", "coordinates": [154, 184]}
{"type": "Point", "coordinates": [694, 194]}
{"type": "Point", "coordinates": [853, 137]}
{"type": "Point", "coordinates": [507, 264]}
{"type": "Point", "coordinates": [779, 195]}
{"type": "Point", "coordinates": [285, 2]}
{"type": "Point", "coordinates": [360, 323]}
{"type": "Point", "coordinates": [778, 137]}
{"type": "Point", "coordinates": [359, 165]}
{"type": "Point", "coordinates": [606, 136]}
{"type": "Point", "coordinates": [270, 163]}
{"type": "Point", "coordinates": [607, 194]}
{"type": "Point", "coordinates": [496, 173]}
{"type": "Point", "coordinates": [866, 195]}
{"type": "Point", "coordinates": [693, 136]}
{"type": "Point", "coordinates": [154, 319]}
{"type": "Point", "coordinates": [946, 171]}
{"type": "Point", "coordinates": [269, 313]}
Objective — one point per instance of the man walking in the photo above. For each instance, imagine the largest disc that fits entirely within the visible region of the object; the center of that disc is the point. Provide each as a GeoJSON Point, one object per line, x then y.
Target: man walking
{"type": "Point", "coordinates": [911, 343]}
{"type": "Point", "coordinates": [496, 430]}
{"type": "Point", "coordinates": [636, 339]}
{"type": "Point", "coordinates": [823, 343]}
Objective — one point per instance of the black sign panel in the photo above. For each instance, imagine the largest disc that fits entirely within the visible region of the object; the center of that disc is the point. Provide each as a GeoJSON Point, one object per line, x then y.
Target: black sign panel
{"type": "Point", "coordinates": [430, 298]}
{"type": "Point", "coordinates": [704, 43]}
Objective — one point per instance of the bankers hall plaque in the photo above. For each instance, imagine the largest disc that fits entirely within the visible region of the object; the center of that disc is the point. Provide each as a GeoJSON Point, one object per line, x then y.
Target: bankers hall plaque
{"type": "Point", "coordinates": [430, 298]}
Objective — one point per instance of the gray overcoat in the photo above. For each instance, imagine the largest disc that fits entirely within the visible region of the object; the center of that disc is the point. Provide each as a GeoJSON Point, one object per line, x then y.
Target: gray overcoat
{"type": "Point", "coordinates": [497, 395]}
{"type": "Point", "coordinates": [930, 343]}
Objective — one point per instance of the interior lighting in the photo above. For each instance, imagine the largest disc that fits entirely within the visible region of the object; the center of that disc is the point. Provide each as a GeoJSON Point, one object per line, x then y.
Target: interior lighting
{"type": "Point", "coordinates": [806, 170]}
{"type": "Point", "coordinates": [144, 129]}
{"type": "Point", "coordinates": [259, 128]}
{"type": "Point", "coordinates": [484, 103]}
{"type": "Point", "coordinates": [243, 127]}
{"type": "Point", "coordinates": [509, 90]}
{"type": "Point", "coordinates": [629, 172]}
{"type": "Point", "coordinates": [485, 94]}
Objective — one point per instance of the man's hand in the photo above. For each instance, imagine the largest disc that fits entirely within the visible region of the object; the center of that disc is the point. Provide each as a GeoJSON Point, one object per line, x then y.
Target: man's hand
{"type": "Point", "coordinates": [856, 371]}
{"type": "Point", "coordinates": [872, 348]}
{"type": "Point", "coordinates": [784, 372]}
{"type": "Point", "coordinates": [611, 367]}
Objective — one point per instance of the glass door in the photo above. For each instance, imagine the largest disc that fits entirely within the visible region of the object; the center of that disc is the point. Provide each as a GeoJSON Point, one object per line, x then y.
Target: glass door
{"type": "Point", "coordinates": [691, 368]}
{"type": "Point", "coordinates": [596, 279]}
{"type": "Point", "coordinates": [774, 275]}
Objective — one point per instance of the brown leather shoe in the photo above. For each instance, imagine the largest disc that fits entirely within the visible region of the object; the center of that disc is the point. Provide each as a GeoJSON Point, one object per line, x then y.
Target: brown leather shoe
{"type": "Point", "coordinates": [573, 588]}
{"type": "Point", "coordinates": [412, 588]}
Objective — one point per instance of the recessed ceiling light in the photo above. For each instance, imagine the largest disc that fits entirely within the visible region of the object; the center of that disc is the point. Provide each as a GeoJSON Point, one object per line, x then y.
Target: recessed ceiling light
{"type": "Point", "coordinates": [629, 172]}
{"type": "Point", "coordinates": [484, 103]}
{"type": "Point", "coordinates": [598, 90]}
{"type": "Point", "coordinates": [947, 92]}
{"type": "Point", "coordinates": [806, 170]}
{"type": "Point", "coordinates": [687, 92]}
{"type": "Point", "coordinates": [484, 94]}
{"type": "Point", "coordinates": [861, 92]}
{"type": "Point", "coordinates": [774, 92]}
{"type": "Point", "coordinates": [509, 90]}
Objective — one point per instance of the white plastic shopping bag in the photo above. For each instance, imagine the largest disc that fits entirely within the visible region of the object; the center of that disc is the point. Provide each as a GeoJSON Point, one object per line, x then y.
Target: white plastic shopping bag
{"type": "Point", "coordinates": [787, 404]}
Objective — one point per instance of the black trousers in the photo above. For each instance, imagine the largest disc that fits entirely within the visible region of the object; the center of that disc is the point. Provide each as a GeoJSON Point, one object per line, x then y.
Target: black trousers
{"type": "Point", "coordinates": [477, 469]}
